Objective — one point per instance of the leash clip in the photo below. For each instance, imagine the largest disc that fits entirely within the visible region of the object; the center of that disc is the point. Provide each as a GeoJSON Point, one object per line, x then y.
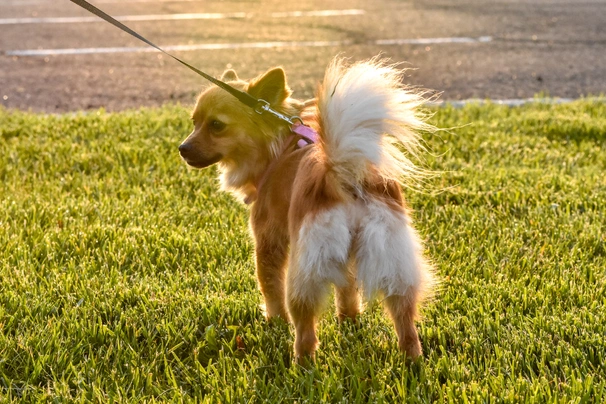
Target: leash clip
{"type": "Point", "coordinates": [306, 134]}
{"type": "Point", "coordinates": [263, 107]}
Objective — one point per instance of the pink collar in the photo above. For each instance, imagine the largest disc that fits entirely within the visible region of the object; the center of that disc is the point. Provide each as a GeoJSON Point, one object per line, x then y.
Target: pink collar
{"type": "Point", "coordinates": [307, 134]}
{"type": "Point", "coordinates": [304, 135]}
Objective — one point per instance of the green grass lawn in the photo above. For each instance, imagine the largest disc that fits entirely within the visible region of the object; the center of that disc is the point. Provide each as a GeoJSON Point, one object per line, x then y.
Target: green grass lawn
{"type": "Point", "coordinates": [127, 276]}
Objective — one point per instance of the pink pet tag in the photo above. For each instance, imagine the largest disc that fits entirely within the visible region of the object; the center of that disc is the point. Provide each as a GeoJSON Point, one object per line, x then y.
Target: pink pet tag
{"type": "Point", "coordinates": [308, 134]}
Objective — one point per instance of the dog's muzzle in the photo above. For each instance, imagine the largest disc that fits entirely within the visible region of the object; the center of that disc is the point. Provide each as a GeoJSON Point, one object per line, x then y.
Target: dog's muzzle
{"type": "Point", "coordinates": [188, 153]}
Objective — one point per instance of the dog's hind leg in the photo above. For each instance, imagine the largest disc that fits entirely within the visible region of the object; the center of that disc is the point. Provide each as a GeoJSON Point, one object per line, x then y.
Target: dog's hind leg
{"type": "Point", "coordinates": [390, 262]}
{"type": "Point", "coordinates": [319, 256]}
{"type": "Point", "coordinates": [347, 298]}
{"type": "Point", "coordinates": [304, 312]}
{"type": "Point", "coordinates": [403, 311]}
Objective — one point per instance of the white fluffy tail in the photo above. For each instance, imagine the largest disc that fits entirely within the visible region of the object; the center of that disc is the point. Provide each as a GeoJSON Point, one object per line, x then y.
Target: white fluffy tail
{"type": "Point", "coordinates": [365, 114]}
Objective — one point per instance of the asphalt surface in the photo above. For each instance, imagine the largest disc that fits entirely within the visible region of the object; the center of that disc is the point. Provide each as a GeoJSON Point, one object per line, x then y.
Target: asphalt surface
{"type": "Point", "coordinates": [556, 48]}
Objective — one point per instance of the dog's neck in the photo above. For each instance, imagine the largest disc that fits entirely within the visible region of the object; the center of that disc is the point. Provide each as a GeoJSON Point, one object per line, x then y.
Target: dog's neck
{"type": "Point", "coordinates": [244, 177]}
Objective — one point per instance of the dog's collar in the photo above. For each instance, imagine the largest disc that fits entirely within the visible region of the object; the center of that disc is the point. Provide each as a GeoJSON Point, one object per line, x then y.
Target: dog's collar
{"type": "Point", "coordinates": [307, 135]}
{"type": "Point", "coordinates": [300, 136]}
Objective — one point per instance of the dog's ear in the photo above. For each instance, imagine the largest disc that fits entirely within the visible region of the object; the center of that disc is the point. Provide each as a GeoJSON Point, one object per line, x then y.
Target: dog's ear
{"type": "Point", "coordinates": [229, 75]}
{"type": "Point", "coordinates": [270, 86]}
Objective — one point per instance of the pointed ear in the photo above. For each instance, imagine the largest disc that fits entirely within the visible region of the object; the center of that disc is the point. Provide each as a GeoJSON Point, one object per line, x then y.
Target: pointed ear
{"type": "Point", "coordinates": [229, 75]}
{"type": "Point", "coordinates": [270, 86]}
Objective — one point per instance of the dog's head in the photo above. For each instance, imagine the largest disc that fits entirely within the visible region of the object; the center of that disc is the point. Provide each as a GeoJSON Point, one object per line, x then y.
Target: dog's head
{"type": "Point", "coordinates": [230, 132]}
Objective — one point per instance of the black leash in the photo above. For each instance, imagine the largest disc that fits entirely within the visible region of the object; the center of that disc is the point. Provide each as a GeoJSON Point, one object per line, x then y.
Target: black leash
{"type": "Point", "coordinates": [260, 106]}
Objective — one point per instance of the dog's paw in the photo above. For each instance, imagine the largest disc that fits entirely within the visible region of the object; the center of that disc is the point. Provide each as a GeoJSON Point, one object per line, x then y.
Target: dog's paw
{"type": "Point", "coordinates": [306, 361]}
{"type": "Point", "coordinates": [412, 349]}
{"type": "Point", "coordinates": [348, 318]}
{"type": "Point", "coordinates": [278, 321]}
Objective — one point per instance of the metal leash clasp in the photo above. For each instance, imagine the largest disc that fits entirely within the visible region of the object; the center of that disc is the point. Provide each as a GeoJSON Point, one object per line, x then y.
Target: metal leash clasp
{"type": "Point", "coordinates": [263, 107]}
{"type": "Point", "coordinates": [307, 135]}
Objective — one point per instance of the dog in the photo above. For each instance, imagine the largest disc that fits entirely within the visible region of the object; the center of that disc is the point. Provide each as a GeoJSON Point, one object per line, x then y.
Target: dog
{"type": "Point", "coordinates": [330, 213]}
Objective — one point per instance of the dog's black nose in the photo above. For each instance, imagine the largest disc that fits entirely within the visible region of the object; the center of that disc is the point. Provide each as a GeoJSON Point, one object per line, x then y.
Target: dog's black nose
{"type": "Point", "coordinates": [184, 149]}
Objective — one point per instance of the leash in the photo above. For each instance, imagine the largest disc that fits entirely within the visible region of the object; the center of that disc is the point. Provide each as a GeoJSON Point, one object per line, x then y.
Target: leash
{"type": "Point", "coordinates": [258, 105]}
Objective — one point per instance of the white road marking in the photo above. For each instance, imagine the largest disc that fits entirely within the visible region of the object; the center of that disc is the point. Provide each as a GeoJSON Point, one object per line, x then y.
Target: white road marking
{"type": "Point", "coordinates": [147, 1]}
{"type": "Point", "coordinates": [317, 13]}
{"type": "Point", "coordinates": [174, 48]}
{"type": "Point", "coordinates": [432, 41]}
{"type": "Point", "coordinates": [186, 16]}
{"type": "Point", "coordinates": [40, 2]}
{"type": "Point", "coordinates": [244, 45]}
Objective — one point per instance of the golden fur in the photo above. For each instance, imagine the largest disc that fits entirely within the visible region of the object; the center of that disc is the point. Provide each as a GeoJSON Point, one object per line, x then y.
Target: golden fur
{"type": "Point", "coordinates": [292, 192]}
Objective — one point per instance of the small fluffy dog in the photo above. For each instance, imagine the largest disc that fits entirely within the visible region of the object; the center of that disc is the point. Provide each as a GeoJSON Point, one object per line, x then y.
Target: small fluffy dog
{"type": "Point", "coordinates": [332, 212]}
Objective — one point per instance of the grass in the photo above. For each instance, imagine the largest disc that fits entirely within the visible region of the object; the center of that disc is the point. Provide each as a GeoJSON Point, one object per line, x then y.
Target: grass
{"type": "Point", "coordinates": [126, 276]}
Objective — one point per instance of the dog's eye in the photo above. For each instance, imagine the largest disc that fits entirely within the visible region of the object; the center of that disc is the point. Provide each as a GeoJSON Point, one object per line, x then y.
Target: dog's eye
{"type": "Point", "coordinates": [216, 126]}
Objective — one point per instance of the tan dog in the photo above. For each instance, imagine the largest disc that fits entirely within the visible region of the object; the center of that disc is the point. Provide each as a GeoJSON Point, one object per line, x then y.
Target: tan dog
{"type": "Point", "coordinates": [331, 211]}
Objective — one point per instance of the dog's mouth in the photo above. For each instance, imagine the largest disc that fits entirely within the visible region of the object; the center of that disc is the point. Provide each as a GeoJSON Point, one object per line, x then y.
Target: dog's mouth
{"type": "Point", "coordinates": [190, 154]}
{"type": "Point", "coordinates": [201, 163]}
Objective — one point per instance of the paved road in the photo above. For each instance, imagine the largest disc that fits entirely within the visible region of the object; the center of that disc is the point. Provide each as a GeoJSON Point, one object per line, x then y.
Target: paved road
{"type": "Point", "coordinates": [527, 47]}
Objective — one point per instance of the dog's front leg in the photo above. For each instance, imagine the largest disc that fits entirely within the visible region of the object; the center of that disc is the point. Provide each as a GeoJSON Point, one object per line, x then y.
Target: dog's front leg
{"type": "Point", "coordinates": [271, 255]}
